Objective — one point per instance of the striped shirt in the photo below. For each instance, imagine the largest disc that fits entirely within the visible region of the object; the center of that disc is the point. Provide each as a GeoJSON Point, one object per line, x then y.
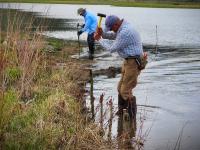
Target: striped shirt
{"type": "Point", "coordinates": [90, 23]}
{"type": "Point", "coordinates": [127, 41]}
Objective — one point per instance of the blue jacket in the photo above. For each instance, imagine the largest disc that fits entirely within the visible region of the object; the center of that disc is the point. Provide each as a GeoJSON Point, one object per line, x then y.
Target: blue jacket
{"type": "Point", "coordinates": [90, 22]}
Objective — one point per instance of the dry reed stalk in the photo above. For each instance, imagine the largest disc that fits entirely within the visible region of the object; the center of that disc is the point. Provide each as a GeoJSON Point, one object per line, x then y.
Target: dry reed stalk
{"type": "Point", "coordinates": [28, 56]}
{"type": "Point", "coordinates": [101, 111]}
{"type": "Point", "coordinates": [110, 120]}
{"type": "Point", "coordinates": [137, 140]}
{"type": "Point", "coordinates": [26, 46]}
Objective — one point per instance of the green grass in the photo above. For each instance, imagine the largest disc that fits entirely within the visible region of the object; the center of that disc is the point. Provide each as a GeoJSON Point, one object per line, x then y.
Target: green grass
{"type": "Point", "coordinates": [39, 99]}
{"type": "Point", "coordinates": [52, 118]}
{"type": "Point", "coordinates": [117, 3]}
{"type": "Point", "coordinates": [57, 44]}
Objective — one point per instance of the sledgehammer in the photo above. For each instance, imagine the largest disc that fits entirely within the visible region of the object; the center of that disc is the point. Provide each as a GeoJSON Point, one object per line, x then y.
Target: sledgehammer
{"type": "Point", "coordinates": [101, 16]}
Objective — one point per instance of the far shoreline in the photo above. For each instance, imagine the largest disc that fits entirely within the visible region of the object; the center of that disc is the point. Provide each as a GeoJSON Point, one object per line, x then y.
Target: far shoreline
{"type": "Point", "coordinates": [185, 5]}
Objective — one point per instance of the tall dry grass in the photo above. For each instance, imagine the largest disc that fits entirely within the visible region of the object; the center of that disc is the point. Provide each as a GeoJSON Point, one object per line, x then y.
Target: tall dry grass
{"type": "Point", "coordinates": [21, 50]}
{"type": "Point", "coordinates": [20, 56]}
{"type": "Point", "coordinates": [39, 108]}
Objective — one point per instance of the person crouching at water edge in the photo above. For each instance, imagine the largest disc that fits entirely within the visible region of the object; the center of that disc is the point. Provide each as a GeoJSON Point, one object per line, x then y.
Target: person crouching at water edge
{"type": "Point", "coordinates": [127, 43]}
{"type": "Point", "coordinates": [89, 27]}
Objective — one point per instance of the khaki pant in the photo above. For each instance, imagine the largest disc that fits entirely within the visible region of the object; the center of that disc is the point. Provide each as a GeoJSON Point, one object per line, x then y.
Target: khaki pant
{"type": "Point", "coordinates": [128, 79]}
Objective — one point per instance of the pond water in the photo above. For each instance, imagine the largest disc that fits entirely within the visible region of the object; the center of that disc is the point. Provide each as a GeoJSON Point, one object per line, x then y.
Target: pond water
{"type": "Point", "coordinates": [169, 85]}
{"type": "Point", "coordinates": [175, 27]}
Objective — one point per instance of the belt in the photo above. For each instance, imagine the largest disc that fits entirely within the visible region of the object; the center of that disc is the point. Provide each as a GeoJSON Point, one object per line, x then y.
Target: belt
{"type": "Point", "coordinates": [132, 57]}
{"type": "Point", "coordinates": [137, 59]}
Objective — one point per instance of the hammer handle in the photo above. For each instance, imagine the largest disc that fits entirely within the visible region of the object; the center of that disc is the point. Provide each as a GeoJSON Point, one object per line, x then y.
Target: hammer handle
{"type": "Point", "coordinates": [99, 24]}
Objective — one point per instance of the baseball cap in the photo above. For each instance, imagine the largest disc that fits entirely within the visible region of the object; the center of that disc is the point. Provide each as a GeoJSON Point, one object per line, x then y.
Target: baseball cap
{"type": "Point", "coordinates": [80, 10]}
{"type": "Point", "coordinates": [110, 21]}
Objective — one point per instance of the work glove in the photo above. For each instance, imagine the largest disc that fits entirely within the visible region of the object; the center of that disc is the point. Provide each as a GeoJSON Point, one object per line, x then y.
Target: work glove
{"type": "Point", "coordinates": [83, 25]}
{"type": "Point", "coordinates": [80, 25]}
{"type": "Point", "coordinates": [79, 32]}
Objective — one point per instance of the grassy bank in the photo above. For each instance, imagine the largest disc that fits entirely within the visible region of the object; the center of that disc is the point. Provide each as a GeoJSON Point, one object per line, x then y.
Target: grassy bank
{"type": "Point", "coordinates": [41, 92]}
{"type": "Point", "coordinates": [117, 3]}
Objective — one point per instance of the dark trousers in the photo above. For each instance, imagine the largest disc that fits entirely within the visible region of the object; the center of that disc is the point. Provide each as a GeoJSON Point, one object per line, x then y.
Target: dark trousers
{"type": "Point", "coordinates": [90, 41]}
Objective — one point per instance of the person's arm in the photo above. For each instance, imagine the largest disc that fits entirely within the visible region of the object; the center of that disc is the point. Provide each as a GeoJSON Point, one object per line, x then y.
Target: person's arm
{"type": "Point", "coordinates": [106, 35]}
{"type": "Point", "coordinates": [109, 35]}
{"type": "Point", "coordinates": [122, 40]}
{"type": "Point", "coordinates": [87, 24]}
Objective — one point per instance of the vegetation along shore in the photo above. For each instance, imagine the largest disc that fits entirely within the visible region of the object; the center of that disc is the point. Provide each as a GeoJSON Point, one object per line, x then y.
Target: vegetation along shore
{"type": "Point", "coordinates": [42, 92]}
{"type": "Point", "coordinates": [124, 3]}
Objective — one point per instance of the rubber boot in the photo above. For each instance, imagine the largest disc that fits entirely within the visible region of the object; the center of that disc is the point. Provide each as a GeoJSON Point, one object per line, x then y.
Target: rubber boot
{"type": "Point", "coordinates": [132, 107]}
{"type": "Point", "coordinates": [122, 104]}
{"type": "Point", "coordinates": [90, 41]}
{"type": "Point", "coordinates": [91, 57]}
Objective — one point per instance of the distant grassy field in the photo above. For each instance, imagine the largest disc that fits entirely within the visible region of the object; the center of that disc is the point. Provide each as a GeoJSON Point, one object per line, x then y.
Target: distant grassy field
{"type": "Point", "coordinates": [117, 3]}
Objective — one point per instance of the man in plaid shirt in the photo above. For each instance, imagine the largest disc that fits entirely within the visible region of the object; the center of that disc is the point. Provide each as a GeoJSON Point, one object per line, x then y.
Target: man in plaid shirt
{"type": "Point", "coordinates": [127, 43]}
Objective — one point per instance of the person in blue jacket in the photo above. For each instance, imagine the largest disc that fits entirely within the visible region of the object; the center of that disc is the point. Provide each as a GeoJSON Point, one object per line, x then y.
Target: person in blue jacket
{"type": "Point", "coordinates": [89, 27]}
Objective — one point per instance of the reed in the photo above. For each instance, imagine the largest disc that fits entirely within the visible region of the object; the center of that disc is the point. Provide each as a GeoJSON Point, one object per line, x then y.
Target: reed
{"type": "Point", "coordinates": [20, 57]}
{"type": "Point", "coordinates": [130, 132]}
{"type": "Point", "coordinates": [41, 97]}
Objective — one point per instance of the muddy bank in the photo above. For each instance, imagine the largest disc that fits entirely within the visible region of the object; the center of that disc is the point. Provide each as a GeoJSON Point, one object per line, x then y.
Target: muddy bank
{"type": "Point", "coordinates": [110, 72]}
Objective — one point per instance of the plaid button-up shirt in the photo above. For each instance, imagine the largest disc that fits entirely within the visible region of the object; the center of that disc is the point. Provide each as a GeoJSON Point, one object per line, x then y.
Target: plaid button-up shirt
{"type": "Point", "coordinates": [127, 41]}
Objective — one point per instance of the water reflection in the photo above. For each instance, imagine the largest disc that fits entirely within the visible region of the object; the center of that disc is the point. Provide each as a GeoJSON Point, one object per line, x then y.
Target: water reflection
{"type": "Point", "coordinates": [24, 19]}
{"type": "Point", "coordinates": [126, 131]}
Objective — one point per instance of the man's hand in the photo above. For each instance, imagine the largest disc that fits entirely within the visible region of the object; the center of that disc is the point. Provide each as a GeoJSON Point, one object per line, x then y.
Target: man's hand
{"type": "Point", "coordinates": [83, 25]}
{"type": "Point", "coordinates": [99, 31]}
{"type": "Point", "coordinates": [97, 37]}
{"type": "Point", "coordinates": [79, 32]}
{"type": "Point", "coordinates": [98, 34]}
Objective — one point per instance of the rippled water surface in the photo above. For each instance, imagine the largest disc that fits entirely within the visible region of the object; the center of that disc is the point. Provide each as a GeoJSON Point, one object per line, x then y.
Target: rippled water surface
{"type": "Point", "coordinates": [170, 85]}
{"type": "Point", "coordinates": [175, 27]}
